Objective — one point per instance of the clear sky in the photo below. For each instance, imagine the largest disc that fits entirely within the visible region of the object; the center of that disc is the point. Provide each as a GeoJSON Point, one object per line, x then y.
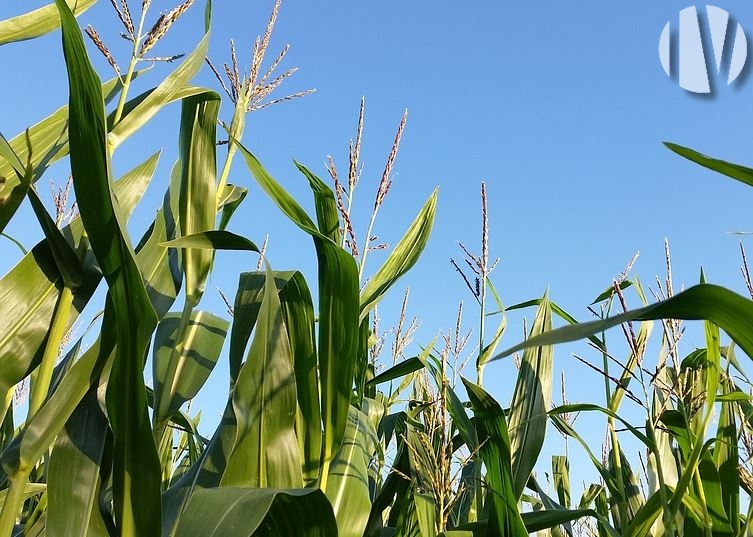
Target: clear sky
{"type": "Point", "coordinates": [561, 107]}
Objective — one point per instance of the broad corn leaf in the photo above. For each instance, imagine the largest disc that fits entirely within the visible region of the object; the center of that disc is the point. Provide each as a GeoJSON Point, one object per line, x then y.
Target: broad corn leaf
{"type": "Point", "coordinates": [348, 486]}
{"type": "Point", "coordinates": [198, 185]}
{"type": "Point", "coordinates": [530, 402]}
{"type": "Point", "coordinates": [136, 483]}
{"type": "Point", "coordinates": [247, 512]}
{"type": "Point", "coordinates": [265, 452]}
{"type": "Point", "coordinates": [202, 342]}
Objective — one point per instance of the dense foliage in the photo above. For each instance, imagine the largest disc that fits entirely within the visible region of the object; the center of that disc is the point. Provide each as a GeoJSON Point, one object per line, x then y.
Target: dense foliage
{"type": "Point", "coordinates": [314, 439]}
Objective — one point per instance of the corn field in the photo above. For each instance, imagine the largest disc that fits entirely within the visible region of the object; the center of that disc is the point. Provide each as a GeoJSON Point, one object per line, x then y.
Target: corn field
{"type": "Point", "coordinates": [318, 436]}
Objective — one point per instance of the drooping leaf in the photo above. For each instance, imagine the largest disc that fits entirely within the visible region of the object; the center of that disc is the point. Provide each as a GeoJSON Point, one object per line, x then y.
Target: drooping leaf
{"type": "Point", "coordinates": [247, 512]}
{"type": "Point", "coordinates": [49, 142]}
{"type": "Point", "coordinates": [723, 307]}
{"type": "Point", "coordinates": [230, 200]}
{"type": "Point", "coordinates": [38, 22]}
{"type": "Point", "coordinates": [30, 290]}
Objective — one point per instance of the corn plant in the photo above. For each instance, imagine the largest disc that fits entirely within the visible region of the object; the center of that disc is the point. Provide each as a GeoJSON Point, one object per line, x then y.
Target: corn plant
{"type": "Point", "coordinates": [102, 453]}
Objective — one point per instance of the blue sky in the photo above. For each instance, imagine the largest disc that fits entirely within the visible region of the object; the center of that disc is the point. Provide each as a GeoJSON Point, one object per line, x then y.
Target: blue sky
{"type": "Point", "coordinates": [560, 107]}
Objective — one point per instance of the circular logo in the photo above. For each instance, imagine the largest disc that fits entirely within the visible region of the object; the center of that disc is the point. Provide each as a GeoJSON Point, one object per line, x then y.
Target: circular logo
{"type": "Point", "coordinates": [693, 73]}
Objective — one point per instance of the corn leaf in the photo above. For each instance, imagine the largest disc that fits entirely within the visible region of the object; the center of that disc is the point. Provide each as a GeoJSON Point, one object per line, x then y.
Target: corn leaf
{"type": "Point", "coordinates": [265, 452]}
{"type": "Point", "coordinates": [406, 367]}
{"type": "Point", "coordinates": [401, 258]}
{"type": "Point", "coordinates": [494, 442]}
{"type": "Point", "coordinates": [338, 313]}
{"type": "Point", "coordinates": [203, 341]}
{"type": "Point", "coordinates": [66, 259]}
{"type": "Point", "coordinates": [723, 307]}
{"type": "Point", "coordinates": [298, 312]}
{"type": "Point", "coordinates": [136, 483]}
{"type": "Point", "coordinates": [198, 185]}
{"type": "Point", "coordinates": [530, 402]}
{"type": "Point", "coordinates": [348, 483]}
{"type": "Point", "coordinates": [73, 472]}
{"type": "Point", "coordinates": [726, 459]}
{"type": "Point", "coordinates": [246, 512]}
{"type": "Point", "coordinates": [327, 215]}
{"type": "Point", "coordinates": [174, 87]}
{"type": "Point", "coordinates": [546, 518]}
{"type": "Point", "coordinates": [735, 171]}
{"type": "Point", "coordinates": [561, 478]}
{"type": "Point", "coordinates": [49, 142]}
{"type": "Point", "coordinates": [230, 200]}
{"type": "Point", "coordinates": [30, 291]}
{"type": "Point", "coordinates": [38, 22]}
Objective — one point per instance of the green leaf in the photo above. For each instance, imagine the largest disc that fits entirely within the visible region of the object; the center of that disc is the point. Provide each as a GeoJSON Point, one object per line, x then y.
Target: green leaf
{"type": "Point", "coordinates": [66, 260]}
{"type": "Point", "coordinates": [406, 367]}
{"type": "Point", "coordinates": [38, 22]}
{"type": "Point", "coordinates": [203, 341]}
{"type": "Point", "coordinates": [401, 258]}
{"type": "Point", "coordinates": [172, 88]}
{"type": "Point", "coordinates": [136, 476]}
{"type": "Point", "coordinates": [230, 200]}
{"type": "Point", "coordinates": [327, 214]}
{"type": "Point", "coordinates": [726, 459]}
{"type": "Point", "coordinates": [246, 512]}
{"type": "Point", "coordinates": [338, 314]}
{"type": "Point", "coordinates": [723, 307]}
{"type": "Point", "coordinates": [640, 525]}
{"type": "Point", "coordinates": [735, 171]}
{"type": "Point", "coordinates": [40, 432]}
{"type": "Point", "coordinates": [49, 142]}
{"type": "Point", "coordinates": [213, 240]}
{"type": "Point", "coordinates": [348, 483]}
{"type": "Point", "coordinates": [561, 478]}
{"type": "Point", "coordinates": [545, 518]}
{"type": "Point", "coordinates": [491, 425]}
{"type": "Point", "coordinates": [265, 451]}
{"type": "Point", "coordinates": [298, 313]}
{"type": "Point", "coordinates": [198, 185]}
{"type": "Point", "coordinates": [530, 402]}
{"type": "Point", "coordinates": [73, 471]}
{"type": "Point", "coordinates": [30, 291]}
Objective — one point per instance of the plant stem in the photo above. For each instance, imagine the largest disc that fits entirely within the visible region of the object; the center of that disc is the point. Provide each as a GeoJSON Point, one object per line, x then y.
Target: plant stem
{"type": "Point", "coordinates": [323, 475]}
{"type": "Point", "coordinates": [366, 241]}
{"type": "Point", "coordinates": [481, 327]}
{"type": "Point", "coordinates": [237, 126]}
{"type": "Point", "coordinates": [124, 91]}
{"type": "Point", "coordinates": [13, 502]}
{"type": "Point", "coordinates": [41, 385]}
